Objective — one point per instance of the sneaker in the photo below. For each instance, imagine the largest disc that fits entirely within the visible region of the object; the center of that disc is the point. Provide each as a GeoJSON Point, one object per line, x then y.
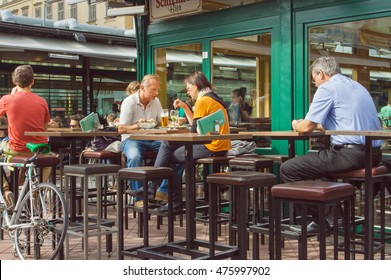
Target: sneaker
{"type": "Point", "coordinates": [139, 203]}
{"type": "Point", "coordinates": [9, 199]}
{"type": "Point", "coordinates": [140, 193]}
{"type": "Point", "coordinates": [176, 207]}
{"type": "Point", "coordinates": [112, 188]}
{"type": "Point", "coordinates": [312, 228]}
{"type": "Point", "coordinates": [161, 196]}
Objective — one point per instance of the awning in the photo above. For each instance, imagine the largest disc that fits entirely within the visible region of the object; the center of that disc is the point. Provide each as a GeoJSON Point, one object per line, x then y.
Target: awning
{"type": "Point", "coordinates": [22, 42]}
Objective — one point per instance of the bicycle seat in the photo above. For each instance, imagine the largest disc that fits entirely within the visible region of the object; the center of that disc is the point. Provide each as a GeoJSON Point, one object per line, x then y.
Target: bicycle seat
{"type": "Point", "coordinates": [42, 147]}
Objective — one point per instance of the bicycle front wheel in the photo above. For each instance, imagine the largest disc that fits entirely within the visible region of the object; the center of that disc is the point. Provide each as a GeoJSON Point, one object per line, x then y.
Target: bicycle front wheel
{"type": "Point", "coordinates": [47, 214]}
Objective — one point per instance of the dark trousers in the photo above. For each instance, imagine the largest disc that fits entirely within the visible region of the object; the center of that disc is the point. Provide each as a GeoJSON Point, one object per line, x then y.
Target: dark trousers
{"type": "Point", "coordinates": [171, 154]}
{"type": "Point", "coordinates": [319, 165]}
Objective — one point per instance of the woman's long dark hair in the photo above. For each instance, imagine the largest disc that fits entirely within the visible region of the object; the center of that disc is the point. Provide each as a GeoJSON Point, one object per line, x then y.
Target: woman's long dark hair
{"type": "Point", "coordinates": [199, 80]}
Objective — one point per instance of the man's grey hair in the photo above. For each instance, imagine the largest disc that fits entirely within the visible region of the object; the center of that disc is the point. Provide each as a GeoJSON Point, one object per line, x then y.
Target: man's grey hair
{"type": "Point", "coordinates": [327, 65]}
{"type": "Point", "coordinates": [148, 78]}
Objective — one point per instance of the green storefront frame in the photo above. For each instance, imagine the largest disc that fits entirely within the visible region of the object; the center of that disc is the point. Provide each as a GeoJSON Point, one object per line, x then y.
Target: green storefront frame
{"type": "Point", "coordinates": [287, 21]}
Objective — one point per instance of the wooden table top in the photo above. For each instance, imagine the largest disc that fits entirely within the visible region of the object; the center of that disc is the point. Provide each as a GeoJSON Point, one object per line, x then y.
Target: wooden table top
{"type": "Point", "coordinates": [234, 129]}
{"type": "Point", "coordinates": [160, 131]}
{"type": "Point", "coordinates": [283, 133]}
{"type": "Point", "coordinates": [71, 133]}
{"type": "Point", "coordinates": [377, 133]}
{"type": "Point", "coordinates": [189, 137]}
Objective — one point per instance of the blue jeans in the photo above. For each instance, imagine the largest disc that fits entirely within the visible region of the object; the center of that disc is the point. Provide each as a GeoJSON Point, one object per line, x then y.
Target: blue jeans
{"type": "Point", "coordinates": [134, 151]}
{"type": "Point", "coordinates": [179, 168]}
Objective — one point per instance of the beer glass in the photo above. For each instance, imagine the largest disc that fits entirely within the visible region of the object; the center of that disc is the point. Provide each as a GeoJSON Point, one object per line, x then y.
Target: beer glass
{"type": "Point", "coordinates": [164, 117]}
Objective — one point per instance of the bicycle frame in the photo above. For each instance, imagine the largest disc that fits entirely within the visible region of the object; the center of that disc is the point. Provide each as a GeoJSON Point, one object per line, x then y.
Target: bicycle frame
{"type": "Point", "coordinates": [28, 183]}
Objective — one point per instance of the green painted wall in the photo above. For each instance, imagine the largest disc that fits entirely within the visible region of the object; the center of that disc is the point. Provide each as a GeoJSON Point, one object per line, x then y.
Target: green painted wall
{"type": "Point", "coordinates": [287, 21]}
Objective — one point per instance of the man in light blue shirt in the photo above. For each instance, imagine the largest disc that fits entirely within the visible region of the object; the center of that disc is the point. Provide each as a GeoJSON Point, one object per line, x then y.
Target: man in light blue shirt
{"type": "Point", "coordinates": [340, 103]}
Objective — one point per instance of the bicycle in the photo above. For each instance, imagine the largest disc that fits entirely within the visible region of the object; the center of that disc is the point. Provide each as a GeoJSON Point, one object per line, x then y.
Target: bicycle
{"type": "Point", "coordinates": [37, 222]}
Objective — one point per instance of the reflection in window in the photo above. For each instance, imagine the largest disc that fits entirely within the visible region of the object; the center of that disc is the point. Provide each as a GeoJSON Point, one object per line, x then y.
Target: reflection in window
{"type": "Point", "coordinates": [243, 65]}
{"type": "Point", "coordinates": [173, 65]}
{"type": "Point", "coordinates": [363, 50]}
{"type": "Point", "coordinates": [60, 8]}
{"type": "Point", "coordinates": [49, 11]}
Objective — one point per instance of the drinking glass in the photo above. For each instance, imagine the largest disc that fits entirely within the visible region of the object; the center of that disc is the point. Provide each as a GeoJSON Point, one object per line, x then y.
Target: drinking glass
{"type": "Point", "coordinates": [174, 117]}
{"type": "Point", "coordinates": [164, 117]}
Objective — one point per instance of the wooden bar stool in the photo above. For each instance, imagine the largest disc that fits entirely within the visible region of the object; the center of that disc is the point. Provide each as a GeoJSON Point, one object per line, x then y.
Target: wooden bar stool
{"type": "Point", "coordinates": [102, 156]}
{"type": "Point", "coordinates": [259, 220]}
{"type": "Point", "coordinates": [43, 161]}
{"type": "Point", "coordinates": [89, 226]}
{"type": "Point", "coordinates": [148, 160]}
{"type": "Point", "coordinates": [381, 177]}
{"type": "Point", "coordinates": [211, 165]}
{"type": "Point", "coordinates": [241, 181]}
{"type": "Point", "coordinates": [320, 194]}
{"type": "Point", "coordinates": [144, 174]}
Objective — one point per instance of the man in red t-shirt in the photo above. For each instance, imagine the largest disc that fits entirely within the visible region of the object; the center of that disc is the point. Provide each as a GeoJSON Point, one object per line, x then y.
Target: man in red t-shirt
{"type": "Point", "coordinates": [26, 111]}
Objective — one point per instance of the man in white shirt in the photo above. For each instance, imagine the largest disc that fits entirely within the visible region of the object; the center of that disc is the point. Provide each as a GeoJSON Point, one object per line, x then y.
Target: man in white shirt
{"type": "Point", "coordinates": [143, 104]}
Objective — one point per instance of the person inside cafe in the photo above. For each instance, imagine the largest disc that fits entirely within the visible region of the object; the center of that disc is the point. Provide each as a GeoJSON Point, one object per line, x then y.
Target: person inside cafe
{"type": "Point", "coordinates": [385, 114]}
{"type": "Point", "coordinates": [74, 120]}
{"type": "Point", "coordinates": [239, 110]}
{"type": "Point", "coordinates": [170, 155]}
{"type": "Point", "coordinates": [144, 104]}
{"type": "Point", "coordinates": [57, 143]}
{"type": "Point", "coordinates": [133, 87]}
{"type": "Point", "coordinates": [339, 103]}
{"type": "Point", "coordinates": [115, 109]}
{"type": "Point", "coordinates": [55, 122]}
{"type": "Point", "coordinates": [26, 111]}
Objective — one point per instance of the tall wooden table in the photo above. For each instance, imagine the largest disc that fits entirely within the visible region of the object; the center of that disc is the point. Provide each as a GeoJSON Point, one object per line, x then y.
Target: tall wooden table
{"type": "Point", "coordinates": [289, 135]}
{"type": "Point", "coordinates": [189, 246]}
{"type": "Point", "coordinates": [368, 200]}
{"type": "Point", "coordinates": [72, 136]}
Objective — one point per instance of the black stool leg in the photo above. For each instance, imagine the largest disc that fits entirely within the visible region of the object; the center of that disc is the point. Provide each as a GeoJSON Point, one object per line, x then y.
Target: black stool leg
{"type": "Point", "coordinates": [170, 212]}
{"type": "Point", "coordinates": [303, 236]}
{"type": "Point", "coordinates": [335, 231]}
{"type": "Point", "coordinates": [271, 227]}
{"type": "Point", "coordinates": [120, 219]}
{"type": "Point", "coordinates": [277, 221]}
{"type": "Point", "coordinates": [347, 226]}
{"type": "Point", "coordinates": [242, 220]}
{"type": "Point", "coordinates": [145, 214]}
{"type": "Point", "coordinates": [382, 222]}
{"type": "Point", "coordinates": [322, 232]}
{"type": "Point", "coordinates": [212, 193]}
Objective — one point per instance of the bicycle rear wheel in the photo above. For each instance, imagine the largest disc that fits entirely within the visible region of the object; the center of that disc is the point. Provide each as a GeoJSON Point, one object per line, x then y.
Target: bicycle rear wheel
{"type": "Point", "coordinates": [49, 223]}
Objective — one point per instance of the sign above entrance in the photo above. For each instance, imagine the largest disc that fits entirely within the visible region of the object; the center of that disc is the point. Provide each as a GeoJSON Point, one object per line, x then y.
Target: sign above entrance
{"type": "Point", "coordinates": [160, 9]}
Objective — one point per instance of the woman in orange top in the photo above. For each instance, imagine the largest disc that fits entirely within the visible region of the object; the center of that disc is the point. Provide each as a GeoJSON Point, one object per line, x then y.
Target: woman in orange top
{"type": "Point", "coordinates": [206, 103]}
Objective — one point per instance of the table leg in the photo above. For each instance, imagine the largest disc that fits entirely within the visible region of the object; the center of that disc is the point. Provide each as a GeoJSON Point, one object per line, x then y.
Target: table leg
{"type": "Point", "coordinates": [368, 200]}
{"type": "Point", "coordinates": [291, 148]}
{"type": "Point", "coordinates": [190, 195]}
{"type": "Point", "coordinates": [72, 160]}
{"type": "Point", "coordinates": [120, 218]}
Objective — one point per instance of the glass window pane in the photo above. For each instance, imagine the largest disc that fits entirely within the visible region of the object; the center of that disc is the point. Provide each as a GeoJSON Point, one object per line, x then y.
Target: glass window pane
{"type": "Point", "coordinates": [173, 65]}
{"type": "Point", "coordinates": [362, 49]}
{"type": "Point", "coordinates": [242, 65]}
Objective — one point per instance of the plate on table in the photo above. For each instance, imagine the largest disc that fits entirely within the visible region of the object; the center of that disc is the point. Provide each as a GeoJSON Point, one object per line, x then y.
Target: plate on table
{"type": "Point", "coordinates": [147, 125]}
